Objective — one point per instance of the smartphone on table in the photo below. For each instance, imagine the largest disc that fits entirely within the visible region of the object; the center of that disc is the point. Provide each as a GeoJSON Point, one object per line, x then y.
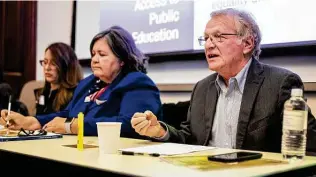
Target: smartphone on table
{"type": "Point", "coordinates": [235, 157]}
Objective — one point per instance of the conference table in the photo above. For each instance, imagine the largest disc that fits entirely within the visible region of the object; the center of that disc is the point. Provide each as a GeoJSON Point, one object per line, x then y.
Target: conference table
{"type": "Point", "coordinates": [60, 156]}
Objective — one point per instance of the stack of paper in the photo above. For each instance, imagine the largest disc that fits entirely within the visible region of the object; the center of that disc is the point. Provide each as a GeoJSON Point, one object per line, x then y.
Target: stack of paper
{"type": "Point", "coordinates": [166, 149]}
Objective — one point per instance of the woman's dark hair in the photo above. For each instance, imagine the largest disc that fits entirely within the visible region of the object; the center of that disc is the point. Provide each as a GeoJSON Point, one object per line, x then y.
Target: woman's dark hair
{"type": "Point", "coordinates": [123, 47]}
{"type": "Point", "coordinates": [69, 72]}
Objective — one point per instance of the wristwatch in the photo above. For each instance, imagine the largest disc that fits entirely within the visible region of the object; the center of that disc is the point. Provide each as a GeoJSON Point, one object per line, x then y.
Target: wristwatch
{"type": "Point", "coordinates": [68, 123]}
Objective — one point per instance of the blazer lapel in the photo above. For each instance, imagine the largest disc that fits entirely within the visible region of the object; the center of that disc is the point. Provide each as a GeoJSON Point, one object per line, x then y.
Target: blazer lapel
{"type": "Point", "coordinates": [210, 109]}
{"type": "Point", "coordinates": [252, 86]}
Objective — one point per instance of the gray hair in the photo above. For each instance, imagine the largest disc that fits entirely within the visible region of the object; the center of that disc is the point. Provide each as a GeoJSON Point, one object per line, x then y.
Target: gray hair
{"type": "Point", "coordinates": [248, 26]}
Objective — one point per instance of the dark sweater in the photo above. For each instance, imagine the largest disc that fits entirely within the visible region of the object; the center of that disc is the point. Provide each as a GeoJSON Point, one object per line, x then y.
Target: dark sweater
{"type": "Point", "coordinates": [44, 102]}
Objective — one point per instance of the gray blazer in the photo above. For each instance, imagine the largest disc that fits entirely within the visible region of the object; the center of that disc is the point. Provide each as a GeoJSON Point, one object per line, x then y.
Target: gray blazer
{"type": "Point", "coordinates": [260, 118]}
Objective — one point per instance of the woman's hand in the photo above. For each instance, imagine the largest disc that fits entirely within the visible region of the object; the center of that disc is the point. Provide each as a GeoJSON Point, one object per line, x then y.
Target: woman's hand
{"type": "Point", "coordinates": [3, 119]}
{"type": "Point", "coordinates": [18, 121]}
{"type": "Point", "coordinates": [57, 125]}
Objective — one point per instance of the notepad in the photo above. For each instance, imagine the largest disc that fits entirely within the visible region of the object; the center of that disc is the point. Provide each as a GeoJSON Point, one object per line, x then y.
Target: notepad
{"type": "Point", "coordinates": [36, 137]}
{"type": "Point", "coordinates": [167, 149]}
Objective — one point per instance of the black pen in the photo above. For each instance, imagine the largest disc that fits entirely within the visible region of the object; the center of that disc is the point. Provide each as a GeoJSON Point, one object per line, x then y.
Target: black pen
{"type": "Point", "coordinates": [135, 153]}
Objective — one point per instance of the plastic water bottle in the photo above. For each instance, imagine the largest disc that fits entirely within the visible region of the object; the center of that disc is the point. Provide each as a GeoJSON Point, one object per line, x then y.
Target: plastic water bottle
{"type": "Point", "coordinates": [294, 126]}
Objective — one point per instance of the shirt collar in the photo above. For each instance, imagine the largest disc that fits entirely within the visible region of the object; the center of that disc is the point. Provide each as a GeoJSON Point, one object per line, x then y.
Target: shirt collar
{"type": "Point", "coordinates": [240, 78]}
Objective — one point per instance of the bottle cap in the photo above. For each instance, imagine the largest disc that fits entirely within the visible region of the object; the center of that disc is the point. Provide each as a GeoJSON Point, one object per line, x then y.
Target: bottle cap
{"type": "Point", "coordinates": [297, 92]}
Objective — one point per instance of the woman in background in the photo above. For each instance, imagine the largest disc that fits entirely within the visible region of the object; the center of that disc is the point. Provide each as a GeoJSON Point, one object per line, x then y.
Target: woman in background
{"type": "Point", "coordinates": [62, 73]}
{"type": "Point", "coordinates": [117, 89]}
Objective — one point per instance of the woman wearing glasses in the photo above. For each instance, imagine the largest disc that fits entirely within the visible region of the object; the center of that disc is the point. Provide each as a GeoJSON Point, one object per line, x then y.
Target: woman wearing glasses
{"type": "Point", "coordinates": [117, 89]}
{"type": "Point", "coordinates": [62, 74]}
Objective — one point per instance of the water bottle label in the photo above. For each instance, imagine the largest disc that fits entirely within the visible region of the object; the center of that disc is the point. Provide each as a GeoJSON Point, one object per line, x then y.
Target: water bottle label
{"type": "Point", "coordinates": [306, 120]}
{"type": "Point", "coordinates": [294, 120]}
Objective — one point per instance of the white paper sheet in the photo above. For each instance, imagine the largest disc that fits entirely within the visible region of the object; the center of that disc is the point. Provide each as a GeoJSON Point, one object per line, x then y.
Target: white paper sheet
{"type": "Point", "coordinates": [167, 149]}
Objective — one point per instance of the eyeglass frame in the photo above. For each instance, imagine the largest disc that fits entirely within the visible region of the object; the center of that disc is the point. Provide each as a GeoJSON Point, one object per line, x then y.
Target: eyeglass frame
{"type": "Point", "coordinates": [31, 132]}
{"type": "Point", "coordinates": [218, 36]}
{"type": "Point", "coordinates": [41, 62]}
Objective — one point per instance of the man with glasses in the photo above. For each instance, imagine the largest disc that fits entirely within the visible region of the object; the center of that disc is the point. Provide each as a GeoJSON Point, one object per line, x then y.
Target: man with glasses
{"type": "Point", "coordinates": [241, 105]}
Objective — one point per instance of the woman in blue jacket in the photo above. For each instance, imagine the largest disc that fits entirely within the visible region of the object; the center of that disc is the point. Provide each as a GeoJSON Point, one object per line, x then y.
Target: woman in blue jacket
{"type": "Point", "coordinates": [116, 90]}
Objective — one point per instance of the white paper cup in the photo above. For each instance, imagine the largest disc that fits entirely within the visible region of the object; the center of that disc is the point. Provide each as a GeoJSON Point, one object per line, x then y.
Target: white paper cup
{"type": "Point", "coordinates": [109, 137]}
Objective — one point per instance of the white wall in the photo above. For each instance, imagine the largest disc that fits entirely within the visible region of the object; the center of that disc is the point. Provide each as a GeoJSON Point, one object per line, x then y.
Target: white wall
{"type": "Point", "coordinates": [54, 20]}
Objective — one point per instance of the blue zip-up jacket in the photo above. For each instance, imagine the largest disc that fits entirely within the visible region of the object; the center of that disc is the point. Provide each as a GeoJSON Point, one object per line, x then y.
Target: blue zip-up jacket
{"type": "Point", "coordinates": [126, 95]}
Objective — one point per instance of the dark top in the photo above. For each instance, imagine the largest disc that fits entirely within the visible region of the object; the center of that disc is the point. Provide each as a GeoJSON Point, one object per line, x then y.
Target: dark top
{"type": "Point", "coordinates": [44, 102]}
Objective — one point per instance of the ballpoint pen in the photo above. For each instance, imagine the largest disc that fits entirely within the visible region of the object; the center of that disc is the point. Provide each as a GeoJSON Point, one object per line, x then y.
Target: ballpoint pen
{"type": "Point", "coordinates": [9, 109]}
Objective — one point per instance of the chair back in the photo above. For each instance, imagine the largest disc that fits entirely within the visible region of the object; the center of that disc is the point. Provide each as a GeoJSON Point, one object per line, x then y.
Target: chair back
{"type": "Point", "coordinates": [27, 95]}
{"type": "Point", "coordinates": [175, 113]}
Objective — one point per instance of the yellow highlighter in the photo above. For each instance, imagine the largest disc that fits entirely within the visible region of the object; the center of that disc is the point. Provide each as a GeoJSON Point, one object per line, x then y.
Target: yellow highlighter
{"type": "Point", "coordinates": [80, 132]}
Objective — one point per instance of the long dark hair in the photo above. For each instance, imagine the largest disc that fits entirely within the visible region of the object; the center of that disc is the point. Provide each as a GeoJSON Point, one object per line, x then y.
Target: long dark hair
{"type": "Point", "coordinates": [123, 47]}
{"type": "Point", "coordinates": [69, 73]}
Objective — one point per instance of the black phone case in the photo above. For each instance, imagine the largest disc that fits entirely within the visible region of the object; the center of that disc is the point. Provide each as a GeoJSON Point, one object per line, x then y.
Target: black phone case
{"type": "Point", "coordinates": [251, 156]}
